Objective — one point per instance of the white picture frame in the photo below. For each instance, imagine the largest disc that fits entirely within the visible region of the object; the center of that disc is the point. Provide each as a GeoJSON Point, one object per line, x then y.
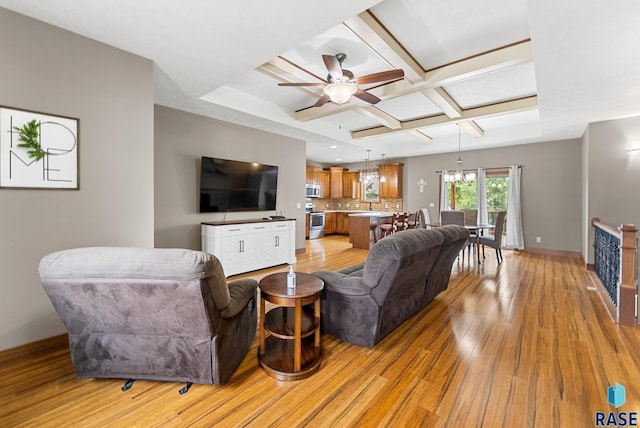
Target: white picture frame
{"type": "Point", "coordinates": [57, 142]}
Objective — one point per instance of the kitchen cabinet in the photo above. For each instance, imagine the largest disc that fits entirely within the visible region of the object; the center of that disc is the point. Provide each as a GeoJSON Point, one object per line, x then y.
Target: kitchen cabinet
{"type": "Point", "coordinates": [312, 174]}
{"type": "Point", "coordinates": [306, 225]}
{"type": "Point", "coordinates": [336, 182]}
{"type": "Point", "coordinates": [351, 184]}
{"type": "Point", "coordinates": [329, 222]}
{"type": "Point", "coordinates": [324, 180]}
{"type": "Point", "coordinates": [342, 223]}
{"type": "Point", "coordinates": [392, 188]}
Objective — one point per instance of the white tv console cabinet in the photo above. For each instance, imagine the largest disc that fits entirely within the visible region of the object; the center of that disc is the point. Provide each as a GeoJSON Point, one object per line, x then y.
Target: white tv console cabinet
{"type": "Point", "coordinates": [246, 245]}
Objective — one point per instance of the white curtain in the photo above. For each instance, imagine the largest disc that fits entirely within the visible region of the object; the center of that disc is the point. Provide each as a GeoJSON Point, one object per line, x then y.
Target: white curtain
{"type": "Point", "coordinates": [481, 197]}
{"type": "Point", "coordinates": [515, 238]}
{"type": "Point", "coordinates": [444, 200]}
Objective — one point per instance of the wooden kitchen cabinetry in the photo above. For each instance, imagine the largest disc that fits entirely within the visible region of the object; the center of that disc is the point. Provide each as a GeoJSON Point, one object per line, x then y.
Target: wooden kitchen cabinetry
{"type": "Point", "coordinates": [351, 184]}
{"type": "Point", "coordinates": [329, 222]}
{"type": "Point", "coordinates": [336, 182]}
{"type": "Point", "coordinates": [324, 180]}
{"type": "Point", "coordinates": [312, 174]}
{"type": "Point", "coordinates": [392, 188]}
{"type": "Point", "coordinates": [342, 223]}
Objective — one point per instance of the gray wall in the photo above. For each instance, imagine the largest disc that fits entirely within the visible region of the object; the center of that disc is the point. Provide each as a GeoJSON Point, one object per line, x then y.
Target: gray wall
{"type": "Point", "coordinates": [52, 71]}
{"type": "Point", "coordinates": [551, 187]}
{"type": "Point", "coordinates": [613, 175]}
{"type": "Point", "coordinates": [181, 139]}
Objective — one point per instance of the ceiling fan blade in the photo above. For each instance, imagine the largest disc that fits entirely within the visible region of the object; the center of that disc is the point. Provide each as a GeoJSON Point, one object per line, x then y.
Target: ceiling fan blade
{"type": "Point", "coordinates": [380, 77]}
{"type": "Point", "coordinates": [333, 65]}
{"type": "Point", "coordinates": [366, 96]}
{"type": "Point", "coordinates": [322, 101]}
{"type": "Point", "coordinates": [302, 84]}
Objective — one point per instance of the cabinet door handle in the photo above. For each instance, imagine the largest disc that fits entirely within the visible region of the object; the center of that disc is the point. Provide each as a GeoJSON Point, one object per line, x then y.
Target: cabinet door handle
{"type": "Point", "coordinates": [234, 230]}
{"type": "Point", "coordinates": [259, 227]}
{"type": "Point", "coordinates": [241, 246]}
{"type": "Point", "coordinates": [277, 241]}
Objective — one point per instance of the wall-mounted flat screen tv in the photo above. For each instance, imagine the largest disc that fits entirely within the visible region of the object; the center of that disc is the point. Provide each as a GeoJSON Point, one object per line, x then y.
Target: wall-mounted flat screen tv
{"type": "Point", "coordinates": [228, 185]}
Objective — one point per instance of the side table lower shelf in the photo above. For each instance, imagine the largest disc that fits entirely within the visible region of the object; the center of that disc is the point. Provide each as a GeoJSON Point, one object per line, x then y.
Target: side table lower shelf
{"type": "Point", "coordinates": [277, 360]}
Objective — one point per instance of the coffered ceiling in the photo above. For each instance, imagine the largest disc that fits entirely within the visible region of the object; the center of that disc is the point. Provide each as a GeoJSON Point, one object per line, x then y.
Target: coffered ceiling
{"type": "Point", "coordinates": [505, 71]}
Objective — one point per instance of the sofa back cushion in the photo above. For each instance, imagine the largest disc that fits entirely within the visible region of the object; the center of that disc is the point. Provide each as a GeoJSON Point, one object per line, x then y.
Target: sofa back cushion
{"type": "Point", "coordinates": [135, 290]}
{"type": "Point", "coordinates": [455, 238]}
{"type": "Point", "coordinates": [403, 259]}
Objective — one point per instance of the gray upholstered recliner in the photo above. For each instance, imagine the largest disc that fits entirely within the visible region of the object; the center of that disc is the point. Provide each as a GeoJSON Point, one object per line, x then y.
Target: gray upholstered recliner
{"type": "Point", "coordinates": [364, 303]}
{"type": "Point", "coordinates": [156, 314]}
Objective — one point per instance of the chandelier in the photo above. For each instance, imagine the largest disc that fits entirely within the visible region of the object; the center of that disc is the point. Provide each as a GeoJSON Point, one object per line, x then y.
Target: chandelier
{"type": "Point", "coordinates": [459, 175]}
{"type": "Point", "coordinates": [383, 179]}
{"type": "Point", "coordinates": [368, 175]}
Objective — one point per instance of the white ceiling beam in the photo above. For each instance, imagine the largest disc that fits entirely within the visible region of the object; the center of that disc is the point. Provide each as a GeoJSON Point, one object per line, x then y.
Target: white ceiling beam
{"type": "Point", "coordinates": [472, 128]}
{"type": "Point", "coordinates": [439, 97]}
{"type": "Point", "coordinates": [425, 139]}
{"type": "Point", "coordinates": [489, 62]}
{"type": "Point", "coordinates": [380, 116]}
{"type": "Point", "coordinates": [514, 106]}
{"type": "Point", "coordinates": [286, 72]}
{"type": "Point", "coordinates": [495, 60]}
{"type": "Point", "coordinates": [367, 27]}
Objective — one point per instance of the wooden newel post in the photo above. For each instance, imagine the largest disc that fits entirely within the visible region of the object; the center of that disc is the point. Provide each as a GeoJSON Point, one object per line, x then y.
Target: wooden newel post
{"type": "Point", "coordinates": [627, 287]}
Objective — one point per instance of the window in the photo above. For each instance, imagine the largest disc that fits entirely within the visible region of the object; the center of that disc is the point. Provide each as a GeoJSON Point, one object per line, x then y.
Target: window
{"type": "Point", "coordinates": [462, 196]}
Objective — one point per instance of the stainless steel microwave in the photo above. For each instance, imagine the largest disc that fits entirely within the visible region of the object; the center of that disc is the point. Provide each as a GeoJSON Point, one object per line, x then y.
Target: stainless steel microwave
{"type": "Point", "coordinates": [312, 190]}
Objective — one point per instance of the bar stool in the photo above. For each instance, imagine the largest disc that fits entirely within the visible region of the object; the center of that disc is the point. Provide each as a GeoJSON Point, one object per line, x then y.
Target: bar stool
{"type": "Point", "coordinates": [388, 228]}
{"type": "Point", "coordinates": [372, 230]}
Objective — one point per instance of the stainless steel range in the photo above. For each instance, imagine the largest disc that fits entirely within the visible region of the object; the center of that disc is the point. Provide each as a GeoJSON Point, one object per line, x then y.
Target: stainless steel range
{"type": "Point", "coordinates": [316, 221]}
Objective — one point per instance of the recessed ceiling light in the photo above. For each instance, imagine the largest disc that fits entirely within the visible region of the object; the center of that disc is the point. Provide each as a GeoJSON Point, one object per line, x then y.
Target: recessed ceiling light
{"type": "Point", "coordinates": [333, 147]}
{"type": "Point", "coordinates": [338, 160]}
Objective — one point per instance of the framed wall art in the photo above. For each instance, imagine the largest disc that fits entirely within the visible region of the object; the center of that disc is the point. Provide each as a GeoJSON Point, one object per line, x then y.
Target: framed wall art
{"type": "Point", "coordinates": [38, 150]}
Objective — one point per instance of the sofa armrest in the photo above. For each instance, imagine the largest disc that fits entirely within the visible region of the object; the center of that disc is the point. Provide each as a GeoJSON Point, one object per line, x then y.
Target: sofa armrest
{"type": "Point", "coordinates": [343, 283]}
{"type": "Point", "coordinates": [240, 291]}
{"type": "Point", "coordinates": [355, 270]}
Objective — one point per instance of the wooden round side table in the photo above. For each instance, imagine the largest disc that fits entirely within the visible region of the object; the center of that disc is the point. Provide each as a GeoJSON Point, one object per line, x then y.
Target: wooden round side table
{"type": "Point", "coordinates": [292, 349]}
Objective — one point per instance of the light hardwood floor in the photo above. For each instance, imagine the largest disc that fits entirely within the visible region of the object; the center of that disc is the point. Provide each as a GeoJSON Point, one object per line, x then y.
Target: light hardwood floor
{"type": "Point", "coordinates": [521, 345]}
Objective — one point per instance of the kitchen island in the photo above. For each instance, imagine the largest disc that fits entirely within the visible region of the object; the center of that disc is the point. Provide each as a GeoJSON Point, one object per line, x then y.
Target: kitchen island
{"type": "Point", "coordinates": [360, 223]}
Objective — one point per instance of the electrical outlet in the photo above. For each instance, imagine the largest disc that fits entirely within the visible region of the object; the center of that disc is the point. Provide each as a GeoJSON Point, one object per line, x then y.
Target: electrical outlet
{"type": "Point", "coordinates": [339, 205]}
{"type": "Point", "coordinates": [298, 205]}
{"type": "Point", "coordinates": [397, 206]}
{"type": "Point", "coordinates": [386, 205]}
{"type": "Point", "coordinates": [347, 205]}
{"type": "Point", "coordinates": [357, 205]}
{"type": "Point", "coordinates": [538, 239]}
{"type": "Point", "coordinates": [432, 204]}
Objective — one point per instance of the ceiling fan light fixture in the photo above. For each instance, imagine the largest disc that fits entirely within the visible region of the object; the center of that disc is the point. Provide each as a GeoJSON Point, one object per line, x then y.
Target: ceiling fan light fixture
{"type": "Point", "coordinates": [340, 92]}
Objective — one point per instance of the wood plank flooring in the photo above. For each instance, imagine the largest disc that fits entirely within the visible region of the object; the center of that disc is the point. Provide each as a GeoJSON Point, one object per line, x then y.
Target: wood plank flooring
{"type": "Point", "coordinates": [525, 344]}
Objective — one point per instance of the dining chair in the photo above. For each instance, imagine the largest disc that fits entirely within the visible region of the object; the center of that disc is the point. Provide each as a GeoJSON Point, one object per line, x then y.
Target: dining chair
{"type": "Point", "coordinates": [471, 219]}
{"type": "Point", "coordinates": [423, 219]}
{"type": "Point", "coordinates": [495, 241]}
{"type": "Point", "coordinates": [452, 217]}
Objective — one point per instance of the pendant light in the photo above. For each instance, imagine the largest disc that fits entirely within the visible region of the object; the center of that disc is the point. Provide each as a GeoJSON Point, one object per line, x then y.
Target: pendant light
{"type": "Point", "coordinates": [459, 175]}
{"type": "Point", "coordinates": [383, 179]}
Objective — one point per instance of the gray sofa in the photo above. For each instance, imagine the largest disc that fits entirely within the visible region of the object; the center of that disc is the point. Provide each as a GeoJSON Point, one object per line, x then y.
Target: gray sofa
{"type": "Point", "coordinates": [402, 273]}
{"type": "Point", "coordinates": [157, 314]}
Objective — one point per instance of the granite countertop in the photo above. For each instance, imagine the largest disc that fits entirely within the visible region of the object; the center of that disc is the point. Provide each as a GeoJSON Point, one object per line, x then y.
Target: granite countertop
{"type": "Point", "coordinates": [345, 211]}
{"type": "Point", "coordinates": [372, 214]}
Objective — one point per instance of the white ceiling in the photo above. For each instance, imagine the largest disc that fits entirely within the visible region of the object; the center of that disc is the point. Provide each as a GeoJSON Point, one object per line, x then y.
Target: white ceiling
{"type": "Point", "coordinates": [509, 71]}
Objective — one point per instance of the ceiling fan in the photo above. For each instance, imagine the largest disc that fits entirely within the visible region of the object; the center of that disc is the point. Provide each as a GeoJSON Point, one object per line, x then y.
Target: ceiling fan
{"type": "Point", "coordinates": [342, 84]}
